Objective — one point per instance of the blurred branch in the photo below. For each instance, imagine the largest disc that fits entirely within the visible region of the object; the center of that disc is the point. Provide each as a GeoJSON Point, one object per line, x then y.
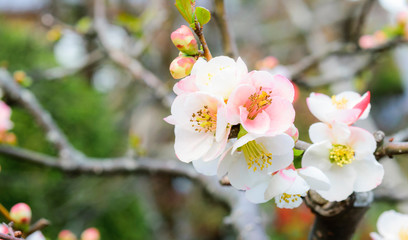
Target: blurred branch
{"type": "Point", "coordinates": [228, 42]}
{"type": "Point", "coordinates": [121, 58]}
{"type": "Point", "coordinates": [39, 225]}
{"type": "Point", "coordinates": [61, 72]}
{"type": "Point", "coordinates": [9, 237]}
{"type": "Point", "coordinates": [362, 18]}
{"type": "Point", "coordinates": [43, 118]}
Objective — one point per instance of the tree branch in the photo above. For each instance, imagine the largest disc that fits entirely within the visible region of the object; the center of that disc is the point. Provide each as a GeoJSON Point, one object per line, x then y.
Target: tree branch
{"type": "Point", "coordinates": [200, 34]}
{"type": "Point", "coordinates": [228, 43]}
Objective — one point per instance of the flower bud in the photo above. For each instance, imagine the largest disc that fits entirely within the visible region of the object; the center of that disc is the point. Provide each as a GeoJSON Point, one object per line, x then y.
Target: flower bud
{"type": "Point", "coordinates": [66, 235]}
{"type": "Point", "coordinates": [90, 234]}
{"type": "Point", "coordinates": [181, 66]}
{"type": "Point", "coordinates": [4, 229]}
{"type": "Point", "coordinates": [184, 40]}
{"type": "Point", "coordinates": [21, 213]}
{"type": "Point", "coordinates": [367, 41]}
{"type": "Point", "coordinates": [293, 132]}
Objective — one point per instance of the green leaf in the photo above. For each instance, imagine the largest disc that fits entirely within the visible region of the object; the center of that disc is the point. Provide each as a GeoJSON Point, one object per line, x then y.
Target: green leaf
{"type": "Point", "coordinates": [297, 160]}
{"type": "Point", "coordinates": [186, 9]}
{"type": "Point", "coordinates": [203, 15]}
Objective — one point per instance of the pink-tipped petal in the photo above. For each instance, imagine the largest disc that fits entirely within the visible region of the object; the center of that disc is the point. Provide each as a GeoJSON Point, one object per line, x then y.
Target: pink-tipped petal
{"type": "Point", "coordinates": [281, 114]}
{"type": "Point", "coordinates": [259, 125]}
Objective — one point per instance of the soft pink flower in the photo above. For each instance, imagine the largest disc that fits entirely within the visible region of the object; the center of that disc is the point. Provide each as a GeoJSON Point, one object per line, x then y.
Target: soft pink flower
{"type": "Point", "coordinates": [66, 235]}
{"type": "Point", "coordinates": [346, 107]}
{"type": "Point", "coordinates": [262, 104]}
{"type": "Point", "coordinates": [367, 41]}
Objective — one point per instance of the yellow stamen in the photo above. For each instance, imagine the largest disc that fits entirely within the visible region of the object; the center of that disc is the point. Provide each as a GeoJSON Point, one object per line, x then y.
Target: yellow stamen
{"type": "Point", "coordinates": [256, 155]}
{"type": "Point", "coordinates": [287, 198]}
{"type": "Point", "coordinates": [340, 104]}
{"type": "Point", "coordinates": [204, 120]}
{"type": "Point", "coordinates": [403, 233]}
{"type": "Point", "coordinates": [258, 102]}
{"type": "Point", "coordinates": [341, 154]}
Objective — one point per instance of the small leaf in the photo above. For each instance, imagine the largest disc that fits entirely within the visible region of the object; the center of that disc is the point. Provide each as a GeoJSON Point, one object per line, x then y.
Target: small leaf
{"type": "Point", "coordinates": [297, 160]}
{"type": "Point", "coordinates": [186, 9]}
{"type": "Point", "coordinates": [203, 15]}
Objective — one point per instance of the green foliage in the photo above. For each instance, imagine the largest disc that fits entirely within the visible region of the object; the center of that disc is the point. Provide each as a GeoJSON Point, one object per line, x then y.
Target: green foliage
{"type": "Point", "coordinates": [297, 160]}
{"type": "Point", "coordinates": [186, 9]}
{"type": "Point", "coordinates": [385, 79]}
{"type": "Point", "coordinates": [203, 15]}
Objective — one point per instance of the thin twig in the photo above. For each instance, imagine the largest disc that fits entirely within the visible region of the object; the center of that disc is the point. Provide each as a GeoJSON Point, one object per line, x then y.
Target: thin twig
{"type": "Point", "coordinates": [199, 32]}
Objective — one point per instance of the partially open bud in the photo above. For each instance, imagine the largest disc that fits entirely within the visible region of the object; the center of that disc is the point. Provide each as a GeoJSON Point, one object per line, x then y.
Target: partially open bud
{"type": "Point", "coordinates": [66, 235]}
{"type": "Point", "coordinates": [181, 66]}
{"type": "Point", "coordinates": [293, 132]}
{"type": "Point", "coordinates": [184, 40]}
{"type": "Point", "coordinates": [21, 213]}
{"type": "Point", "coordinates": [90, 234]}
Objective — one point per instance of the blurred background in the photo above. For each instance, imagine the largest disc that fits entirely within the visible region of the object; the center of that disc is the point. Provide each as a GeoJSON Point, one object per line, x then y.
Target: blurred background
{"type": "Point", "coordinates": [106, 112]}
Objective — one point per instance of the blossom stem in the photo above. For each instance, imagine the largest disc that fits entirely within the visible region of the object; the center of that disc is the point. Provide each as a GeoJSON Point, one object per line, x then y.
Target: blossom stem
{"type": "Point", "coordinates": [199, 32]}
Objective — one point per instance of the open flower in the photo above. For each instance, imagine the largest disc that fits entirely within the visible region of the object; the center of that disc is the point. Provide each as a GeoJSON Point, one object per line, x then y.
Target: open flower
{"type": "Point", "coordinates": [201, 128]}
{"type": "Point", "coordinates": [5, 113]}
{"type": "Point", "coordinates": [263, 104]}
{"type": "Point", "coordinates": [345, 155]}
{"type": "Point", "coordinates": [346, 107]}
{"type": "Point", "coordinates": [288, 185]}
{"type": "Point", "coordinates": [392, 226]}
{"type": "Point", "coordinates": [219, 76]}
{"type": "Point", "coordinates": [251, 160]}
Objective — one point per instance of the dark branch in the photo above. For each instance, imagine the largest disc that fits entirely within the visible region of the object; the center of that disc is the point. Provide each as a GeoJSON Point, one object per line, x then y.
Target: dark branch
{"type": "Point", "coordinates": [228, 43]}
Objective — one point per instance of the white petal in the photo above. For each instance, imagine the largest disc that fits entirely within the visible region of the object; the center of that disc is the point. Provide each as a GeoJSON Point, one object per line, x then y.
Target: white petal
{"type": "Point", "coordinates": [315, 178]}
{"type": "Point", "coordinates": [319, 132]}
{"type": "Point", "coordinates": [369, 174]}
{"type": "Point", "coordinates": [319, 105]}
{"type": "Point", "coordinates": [299, 186]}
{"type": "Point", "coordinates": [342, 183]}
{"type": "Point", "coordinates": [217, 148]}
{"type": "Point", "coordinates": [208, 168]}
{"type": "Point", "coordinates": [279, 183]}
{"type": "Point", "coordinates": [375, 236]}
{"type": "Point", "coordinates": [240, 176]}
{"type": "Point", "coordinates": [293, 201]}
{"type": "Point", "coordinates": [280, 162]}
{"type": "Point", "coordinates": [390, 223]}
{"type": "Point", "coordinates": [226, 159]}
{"type": "Point", "coordinates": [362, 142]}
{"type": "Point", "coordinates": [190, 145]}
{"type": "Point", "coordinates": [317, 156]}
{"type": "Point", "coordinates": [221, 130]}
{"type": "Point", "coordinates": [279, 144]}
{"type": "Point", "coordinates": [257, 193]}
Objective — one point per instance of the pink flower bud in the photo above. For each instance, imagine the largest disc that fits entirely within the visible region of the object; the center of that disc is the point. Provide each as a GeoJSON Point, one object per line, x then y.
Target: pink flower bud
{"type": "Point", "coordinates": [367, 41]}
{"type": "Point", "coordinates": [293, 132]}
{"type": "Point", "coordinates": [21, 213]}
{"type": "Point", "coordinates": [4, 229]}
{"type": "Point", "coordinates": [184, 40]}
{"type": "Point", "coordinates": [181, 66]}
{"type": "Point", "coordinates": [66, 235]}
{"type": "Point", "coordinates": [90, 234]}
{"type": "Point", "coordinates": [267, 63]}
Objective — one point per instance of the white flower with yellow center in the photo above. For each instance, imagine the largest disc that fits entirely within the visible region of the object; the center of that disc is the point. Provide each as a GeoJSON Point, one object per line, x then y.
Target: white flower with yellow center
{"type": "Point", "coordinates": [345, 155]}
{"type": "Point", "coordinates": [252, 159]}
{"type": "Point", "coordinates": [346, 107]}
{"type": "Point", "coordinates": [391, 225]}
{"type": "Point", "coordinates": [201, 129]}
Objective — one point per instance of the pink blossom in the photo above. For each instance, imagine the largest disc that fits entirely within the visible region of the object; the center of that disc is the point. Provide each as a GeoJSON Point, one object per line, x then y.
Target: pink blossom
{"type": "Point", "coordinates": [184, 40]}
{"type": "Point", "coordinates": [5, 114]}
{"type": "Point", "coordinates": [262, 104]}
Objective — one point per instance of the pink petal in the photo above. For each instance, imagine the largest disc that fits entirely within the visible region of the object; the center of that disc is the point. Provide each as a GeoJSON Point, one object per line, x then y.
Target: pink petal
{"type": "Point", "coordinates": [185, 85]}
{"type": "Point", "coordinates": [259, 125]}
{"type": "Point", "coordinates": [238, 98]}
{"type": "Point", "coordinates": [363, 104]}
{"type": "Point", "coordinates": [281, 115]}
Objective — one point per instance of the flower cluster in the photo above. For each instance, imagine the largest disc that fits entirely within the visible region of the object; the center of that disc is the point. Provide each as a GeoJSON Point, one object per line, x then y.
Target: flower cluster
{"type": "Point", "coordinates": [220, 95]}
{"type": "Point", "coordinates": [391, 225]}
{"type": "Point", "coordinates": [342, 152]}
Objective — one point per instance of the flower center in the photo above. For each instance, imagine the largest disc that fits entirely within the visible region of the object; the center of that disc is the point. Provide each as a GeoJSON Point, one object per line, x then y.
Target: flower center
{"type": "Point", "coordinates": [403, 233]}
{"type": "Point", "coordinates": [204, 120]}
{"type": "Point", "coordinates": [256, 155]}
{"type": "Point", "coordinates": [258, 102]}
{"type": "Point", "coordinates": [341, 154]}
{"type": "Point", "coordinates": [287, 198]}
{"type": "Point", "coordinates": [339, 104]}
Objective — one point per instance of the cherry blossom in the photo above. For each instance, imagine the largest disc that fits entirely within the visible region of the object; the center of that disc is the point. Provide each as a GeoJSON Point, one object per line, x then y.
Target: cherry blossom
{"type": "Point", "coordinates": [251, 160]}
{"type": "Point", "coordinates": [201, 128]}
{"type": "Point", "coordinates": [219, 76]}
{"type": "Point", "coordinates": [5, 113]}
{"type": "Point", "coordinates": [262, 104]}
{"type": "Point", "coordinates": [391, 225]}
{"type": "Point", "coordinates": [345, 155]}
{"type": "Point", "coordinates": [346, 107]}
